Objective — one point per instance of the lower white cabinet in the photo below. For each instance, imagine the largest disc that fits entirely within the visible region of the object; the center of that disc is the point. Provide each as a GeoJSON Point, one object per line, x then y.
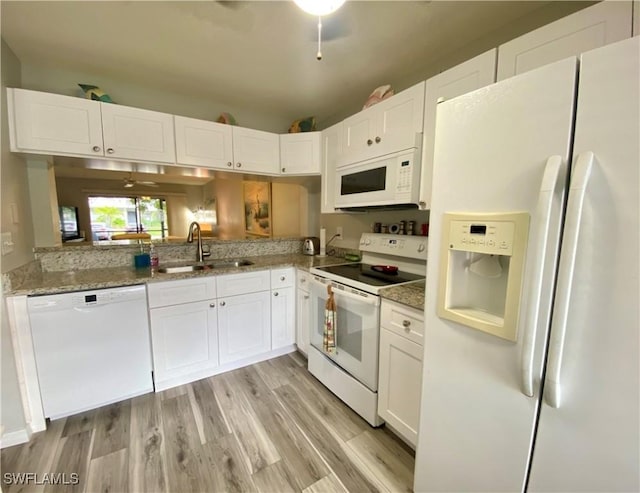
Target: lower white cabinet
{"type": "Point", "coordinates": [244, 325]}
{"type": "Point", "coordinates": [303, 311]}
{"type": "Point", "coordinates": [400, 370]}
{"type": "Point", "coordinates": [283, 317]}
{"type": "Point", "coordinates": [185, 340]}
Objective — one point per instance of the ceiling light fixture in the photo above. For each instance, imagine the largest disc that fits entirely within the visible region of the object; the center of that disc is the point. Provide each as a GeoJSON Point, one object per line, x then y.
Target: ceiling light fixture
{"type": "Point", "coordinates": [319, 8]}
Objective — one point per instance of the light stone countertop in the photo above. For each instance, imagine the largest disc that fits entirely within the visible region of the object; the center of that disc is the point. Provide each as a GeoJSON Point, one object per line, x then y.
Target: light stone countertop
{"type": "Point", "coordinates": [410, 294]}
{"type": "Point", "coordinates": [41, 283]}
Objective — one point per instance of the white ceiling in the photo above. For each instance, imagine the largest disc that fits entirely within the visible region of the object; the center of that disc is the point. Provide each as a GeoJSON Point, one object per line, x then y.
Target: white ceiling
{"type": "Point", "coordinates": [259, 54]}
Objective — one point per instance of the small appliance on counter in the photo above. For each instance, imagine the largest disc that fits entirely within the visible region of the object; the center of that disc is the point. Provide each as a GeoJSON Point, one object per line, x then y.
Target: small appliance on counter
{"type": "Point", "coordinates": [311, 245]}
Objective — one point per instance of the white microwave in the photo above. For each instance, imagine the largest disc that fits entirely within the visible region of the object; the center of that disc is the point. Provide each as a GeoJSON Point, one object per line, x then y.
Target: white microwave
{"type": "Point", "coordinates": [391, 180]}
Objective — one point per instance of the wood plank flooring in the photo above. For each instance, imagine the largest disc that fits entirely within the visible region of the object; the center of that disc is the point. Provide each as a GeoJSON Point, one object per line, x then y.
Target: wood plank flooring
{"type": "Point", "coordinates": [270, 427]}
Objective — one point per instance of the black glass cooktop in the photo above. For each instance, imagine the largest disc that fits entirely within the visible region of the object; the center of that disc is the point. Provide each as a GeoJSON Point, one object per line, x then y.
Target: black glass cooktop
{"type": "Point", "coordinates": [365, 273]}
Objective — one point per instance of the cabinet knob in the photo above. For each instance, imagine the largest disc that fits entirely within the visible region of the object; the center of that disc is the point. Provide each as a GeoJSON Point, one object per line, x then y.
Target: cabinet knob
{"type": "Point", "coordinates": [303, 280]}
{"type": "Point", "coordinates": [212, 305]}
{"type": "Point", "coordinates": [284, 169]}
{"type": "Point", "coordinates": [110, 150]}
{"type": "Point", "coordinates": [239, 165]}
{"type": "Point", "coordinates": [306, 296]}
{"type": "Point", "coordinates": [378, 139]}
{"type": "Point", "coordinates": [282, 278]}
{"type": "Point", "coordinates": [96, 149]}
{"type": "Point", "coordinates": [222, 303]}
{"type": "Point", "coordinates": [275, 294]}
{"type": "Point", "coordinates": [406, 324]}
{"type": "Point", "coordinates": [229, 164]}
{"type": "Point", "coordinates": [369, 142]}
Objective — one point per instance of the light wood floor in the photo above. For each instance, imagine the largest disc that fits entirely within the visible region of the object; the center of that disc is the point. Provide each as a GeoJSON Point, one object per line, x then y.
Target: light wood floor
{"type": "Point", "coordinates": [270, 427]}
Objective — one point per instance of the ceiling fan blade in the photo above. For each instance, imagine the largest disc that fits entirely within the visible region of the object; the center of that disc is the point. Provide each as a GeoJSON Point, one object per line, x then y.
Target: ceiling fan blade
{"type": "Point", "coordinates": [147, 183]}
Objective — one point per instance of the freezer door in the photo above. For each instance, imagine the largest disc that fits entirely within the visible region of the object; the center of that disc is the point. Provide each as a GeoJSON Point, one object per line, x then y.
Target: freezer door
{"type": "Point", "coordinates": [590, 440]}
{"type": "Point", "coordinates": [492, 149]}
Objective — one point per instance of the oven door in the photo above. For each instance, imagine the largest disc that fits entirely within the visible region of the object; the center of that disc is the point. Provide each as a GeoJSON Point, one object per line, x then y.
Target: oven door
{"type": "Point", "coordinates": [357, 329]}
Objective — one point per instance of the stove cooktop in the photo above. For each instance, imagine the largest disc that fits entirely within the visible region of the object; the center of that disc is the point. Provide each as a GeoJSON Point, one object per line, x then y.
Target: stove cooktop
{"type": "Point", "coordinates": [365, 274]}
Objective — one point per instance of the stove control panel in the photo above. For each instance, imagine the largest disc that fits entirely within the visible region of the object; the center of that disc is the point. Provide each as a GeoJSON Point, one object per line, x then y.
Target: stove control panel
{"type": "Point", "coordinates": [398, 245]}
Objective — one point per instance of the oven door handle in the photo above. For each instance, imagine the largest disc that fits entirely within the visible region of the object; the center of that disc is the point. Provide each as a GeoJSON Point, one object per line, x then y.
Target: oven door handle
{"type": "Point", "coordinates": [369, 299]}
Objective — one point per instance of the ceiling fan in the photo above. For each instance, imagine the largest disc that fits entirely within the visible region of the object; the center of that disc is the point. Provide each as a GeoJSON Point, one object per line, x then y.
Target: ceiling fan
{"type": "Point", "coordinates": [130, 182]}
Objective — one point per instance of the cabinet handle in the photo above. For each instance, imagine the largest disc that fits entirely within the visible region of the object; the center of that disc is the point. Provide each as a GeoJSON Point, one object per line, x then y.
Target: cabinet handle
{"type": "Point", "coordinates": [282, 278]}
{"type": "Point", "coordinates": [222, 303]}
{"type": "Point", "coordinates": [369, 142]}
{"type": "Point", "coordinates": [275, 294]}
{"type": "Point", "coordinates": [229, 164]}
{"type": "Point", "coordinates": [239, 165]}
{"type": "Point", "coordinates": [406, 324]}
{"type": "Point", "coordinates": [96, 149]}
{"type": "Point", "coordinates": [110, 150]}
{"type": "Point", "coordinates": [212, 305]}
{"type": "Point", "coordinates": [378, 139]}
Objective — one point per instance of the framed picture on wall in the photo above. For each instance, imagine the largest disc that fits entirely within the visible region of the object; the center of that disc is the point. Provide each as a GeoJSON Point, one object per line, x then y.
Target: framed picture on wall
{"type": "Point", "coordinates": [257, 208]}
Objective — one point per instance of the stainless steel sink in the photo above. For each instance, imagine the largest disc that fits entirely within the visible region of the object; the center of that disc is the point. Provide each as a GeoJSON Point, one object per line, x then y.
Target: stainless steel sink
{"type": "Point", "coordinates": [223, 264]}
{"type": "Point", "coordinates": [197, 266]}
{"type": "Point", "coordinates": [183, 268]}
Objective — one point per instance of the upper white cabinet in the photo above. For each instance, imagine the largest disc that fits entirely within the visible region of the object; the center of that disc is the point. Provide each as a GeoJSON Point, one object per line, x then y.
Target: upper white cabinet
{"type": "Point", "coordinates": [203, 143]}
{"type": "Point", "coordinates": [331, 150]}
{"type": "Point", "coordinates": [595, 26]}
{"type": "Point", "coordinates": [56, 124]}
{"type": "Point", "coordinates": [300, 153]}
{"type": "Point", "coordinates": [132, 133]}
{"type": "Point", "coordinates": [256, 151]}
{"type": "Point", "coordinates": [389, 126]}
{"type": "Point", "coordinates": [50, 123]}
{"type": "Point", "coordinates": [461, 79]}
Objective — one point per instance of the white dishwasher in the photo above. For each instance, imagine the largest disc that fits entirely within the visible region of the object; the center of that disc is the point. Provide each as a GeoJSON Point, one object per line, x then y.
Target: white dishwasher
{"type": "Point", "coordinates": [91, 347]}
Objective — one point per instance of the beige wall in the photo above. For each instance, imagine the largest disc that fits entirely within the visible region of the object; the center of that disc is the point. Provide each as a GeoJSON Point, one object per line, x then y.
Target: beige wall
{"type": "Point", "coordinates": [13, 191]}
{"type": "Point", "coordinates": [60, 81]}
{"type": "Point", "coordinates": [44, 202]}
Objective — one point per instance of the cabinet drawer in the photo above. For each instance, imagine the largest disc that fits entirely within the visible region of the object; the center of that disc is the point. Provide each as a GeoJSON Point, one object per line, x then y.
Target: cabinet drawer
{"type": "Point", "coordinates": [402, 320]}
{"type": "Point", "coordinates": [246, 282]}
{"type": "Point", "coordinates": [282, 278]}
{"type": "Point", "coordinates": [303, 279]}
{"type": "Point", "coordinates": [181, 291]}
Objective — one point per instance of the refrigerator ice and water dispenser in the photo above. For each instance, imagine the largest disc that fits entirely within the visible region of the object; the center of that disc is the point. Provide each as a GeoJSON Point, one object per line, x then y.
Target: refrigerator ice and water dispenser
{"type": "Point", "coordinates": [481, 276]}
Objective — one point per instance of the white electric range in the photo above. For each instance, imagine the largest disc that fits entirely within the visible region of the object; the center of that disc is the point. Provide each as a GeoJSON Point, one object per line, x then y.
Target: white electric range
{"type": "Point", "coordinates": [351, 372]}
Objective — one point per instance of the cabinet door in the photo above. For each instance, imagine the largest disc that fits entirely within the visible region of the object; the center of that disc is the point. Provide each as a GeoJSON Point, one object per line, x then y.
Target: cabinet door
{"type": "Point", "coordinates": [358, 132]}
{"type": "Point", "coordinates": [400, 384]}
{"type": "Point", "coordinates": [400, 121]}
{"type": "Point", "coordinates": [256, 151]}
{"type": "Point", "coordinates": [461, 79]}
{"type": "Point", "coordinates": [283, 317]}
{"type": "Point", "coordinates": [303, 319]}
{"type": "Point", "coordinates": [54, 124]}
{"type": "Point", "coordinates": [300, 153]}
{"type": "Point", "coordinates": [132, 133]}
{"type": "Point", "coordinates": [331, 150]}
{"type": "Point", "coordinates": [181, 291]}
{"type": "Point", "coordinates": [599, 25]}
{"type": "Point", "coordinates": [184, 339]}
{"type": "Point", "coordinates": [244, 326]}
{"type": "Point", "coordinates": [283, 278]}
{"type": "Point", "coordinates": [203, 143]}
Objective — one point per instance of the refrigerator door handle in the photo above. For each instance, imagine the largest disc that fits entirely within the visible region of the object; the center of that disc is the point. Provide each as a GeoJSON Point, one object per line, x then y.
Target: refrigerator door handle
{"type": "Point", "coordinates": [538, 256]}
{"type": "Point", "coordinates": [575, 203]}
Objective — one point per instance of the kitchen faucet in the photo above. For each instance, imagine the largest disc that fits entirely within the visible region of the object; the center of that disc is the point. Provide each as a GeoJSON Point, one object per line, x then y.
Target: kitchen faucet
{"type": "Point", "coordinates": [193, 227]}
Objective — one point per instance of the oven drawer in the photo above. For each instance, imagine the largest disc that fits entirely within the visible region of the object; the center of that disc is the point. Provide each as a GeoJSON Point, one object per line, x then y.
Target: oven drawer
{"type": "Point", "coordinates": [402, 320]}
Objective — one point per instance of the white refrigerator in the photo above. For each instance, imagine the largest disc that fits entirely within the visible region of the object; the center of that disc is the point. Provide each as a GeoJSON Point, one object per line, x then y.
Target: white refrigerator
{"type": "Point", "coordinates": [555, 409]}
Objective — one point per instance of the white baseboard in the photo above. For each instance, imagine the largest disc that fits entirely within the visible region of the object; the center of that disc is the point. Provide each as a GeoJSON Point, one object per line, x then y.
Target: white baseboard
{"type": "Point", "coordinates": [14, 438]}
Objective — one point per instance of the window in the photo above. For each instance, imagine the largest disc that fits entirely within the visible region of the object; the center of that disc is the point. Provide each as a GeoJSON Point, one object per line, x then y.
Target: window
{"type": "Point", "coordinates": [112, 215]}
